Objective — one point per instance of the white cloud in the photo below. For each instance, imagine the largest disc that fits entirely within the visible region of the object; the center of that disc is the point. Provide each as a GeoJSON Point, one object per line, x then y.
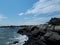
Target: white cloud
{"type": "Point", "coordinates": [36, 21]}
{"type": "Point", "coordinates": [44, 6]}
{"type": "Point", "coordinates": [58, 16]}
{"type": "Point", "coordinates": [20, 14]}
{"type": "Point", "coordinates": [2, 17]}
{"type": "Point", "coordinates": [41, 20]}
{"type": "Point", "coordinates": [26, 18]}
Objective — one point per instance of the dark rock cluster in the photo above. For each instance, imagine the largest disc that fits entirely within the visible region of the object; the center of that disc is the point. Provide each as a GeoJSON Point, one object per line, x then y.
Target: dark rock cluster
{"type": "Point", "coordinates": [54, 21]}
{"type": "Point", "coordinates": [41, 35]}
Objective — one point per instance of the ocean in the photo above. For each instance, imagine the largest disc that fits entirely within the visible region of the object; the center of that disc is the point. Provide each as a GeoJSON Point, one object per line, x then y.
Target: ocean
{"type": "Point", "coordinates": [9, 35]}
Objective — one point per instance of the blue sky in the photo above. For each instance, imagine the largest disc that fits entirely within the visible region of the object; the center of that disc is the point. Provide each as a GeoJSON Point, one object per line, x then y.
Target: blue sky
{"type": "Point", "coordinates": [28, 12]}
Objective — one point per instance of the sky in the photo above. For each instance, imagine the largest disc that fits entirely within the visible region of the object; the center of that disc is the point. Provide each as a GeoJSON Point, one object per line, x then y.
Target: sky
{"type": "Point", "coordinates": [28, 12]}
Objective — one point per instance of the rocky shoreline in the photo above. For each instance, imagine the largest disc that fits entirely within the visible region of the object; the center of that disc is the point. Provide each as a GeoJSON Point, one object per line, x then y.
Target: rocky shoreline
{"type": "Point", "coordinates": [41, 34]}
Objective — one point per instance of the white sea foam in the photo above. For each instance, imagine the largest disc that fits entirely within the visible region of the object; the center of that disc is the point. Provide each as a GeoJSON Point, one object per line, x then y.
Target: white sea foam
{"type": "Point", "coordinates": [20, 38]}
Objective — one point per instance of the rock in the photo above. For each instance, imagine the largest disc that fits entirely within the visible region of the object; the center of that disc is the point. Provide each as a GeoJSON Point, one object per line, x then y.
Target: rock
{"type": "Point", "coordinates": [40, 36]}
{"type": "Point", "coordinates": [15, 42]}
{"type": "Point", "coordinates": [52, 38]}
{"type": "Point", "coordinates": [33, 34]}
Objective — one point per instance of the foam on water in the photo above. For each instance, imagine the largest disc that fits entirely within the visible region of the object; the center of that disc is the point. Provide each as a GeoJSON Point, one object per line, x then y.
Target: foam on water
{"type": "Point", "coordinates": [20, 38]}
{"type": "Point", "coordinates": [9, 35]}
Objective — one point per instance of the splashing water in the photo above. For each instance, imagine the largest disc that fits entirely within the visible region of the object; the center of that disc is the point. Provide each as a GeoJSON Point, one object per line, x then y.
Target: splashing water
{"type": "Point", "coordinates": [9, 36]}
{"type": "Point", "coordinates": [20, 38]}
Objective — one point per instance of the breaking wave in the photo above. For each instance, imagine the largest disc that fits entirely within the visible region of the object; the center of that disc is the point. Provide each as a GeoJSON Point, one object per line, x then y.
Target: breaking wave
{"type": "Point", "coordinates": [20, 38]}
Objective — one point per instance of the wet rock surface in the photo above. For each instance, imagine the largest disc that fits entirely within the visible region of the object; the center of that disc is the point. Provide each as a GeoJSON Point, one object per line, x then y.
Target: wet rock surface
{"type": "Point", "coordinates": [41, 35]}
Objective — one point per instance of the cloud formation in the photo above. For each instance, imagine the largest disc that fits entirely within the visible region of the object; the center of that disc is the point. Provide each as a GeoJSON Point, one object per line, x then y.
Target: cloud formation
{"type": "Point", "coordinates": [20, 14]}
{"type": "Point", "coordinates": [2, 17]}
{"type": "Point", "coordinates": [40, 20]}
{"type": "Point", "coordinates": [44, 6]}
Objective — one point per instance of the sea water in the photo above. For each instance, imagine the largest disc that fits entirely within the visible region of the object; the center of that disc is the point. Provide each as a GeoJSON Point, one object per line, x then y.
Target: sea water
{"type": "Point", "coordinates": [9, 35]}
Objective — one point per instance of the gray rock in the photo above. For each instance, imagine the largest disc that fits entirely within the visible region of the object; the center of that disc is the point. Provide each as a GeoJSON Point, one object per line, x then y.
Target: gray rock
{"type": "Point", "coordinates": [40, 36]}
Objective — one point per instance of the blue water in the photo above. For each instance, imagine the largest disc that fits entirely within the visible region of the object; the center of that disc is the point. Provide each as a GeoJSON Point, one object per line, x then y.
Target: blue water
{"type": "Point", "coordinates": [8, 35]}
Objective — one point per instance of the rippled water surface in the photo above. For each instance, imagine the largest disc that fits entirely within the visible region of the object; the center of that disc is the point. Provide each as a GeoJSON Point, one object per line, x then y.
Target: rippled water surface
{"type": "Point", "coordinates": [8, 35]}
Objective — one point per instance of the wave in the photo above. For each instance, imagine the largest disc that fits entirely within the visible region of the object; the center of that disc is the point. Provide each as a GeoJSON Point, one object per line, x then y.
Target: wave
{"type": "Point", "coordinates": [19, 40]}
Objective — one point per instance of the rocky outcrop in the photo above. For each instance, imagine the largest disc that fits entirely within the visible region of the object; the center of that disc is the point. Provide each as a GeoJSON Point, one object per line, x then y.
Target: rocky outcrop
{"type": "Point", "coordinates": [54, 21]}
{"type": "Point", "coordinates": [41, 35]}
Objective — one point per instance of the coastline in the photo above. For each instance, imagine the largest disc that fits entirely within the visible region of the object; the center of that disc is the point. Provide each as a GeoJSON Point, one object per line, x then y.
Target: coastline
{"type": "Point", "coordinates": [43, 34]}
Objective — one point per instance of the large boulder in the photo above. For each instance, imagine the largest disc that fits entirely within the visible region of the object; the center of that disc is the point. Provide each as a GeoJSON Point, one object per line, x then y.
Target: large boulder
{"type": "Point", "coordinates": [52, 38]}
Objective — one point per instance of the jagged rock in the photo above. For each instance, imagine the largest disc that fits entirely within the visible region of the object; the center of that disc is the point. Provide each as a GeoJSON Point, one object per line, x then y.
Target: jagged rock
{"type": "Point", "coordinates": [15, 42]}
{"type": "Point", "coordinates": [52, 38]}
{"type": "Point", "coordinates": [33, 34]}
